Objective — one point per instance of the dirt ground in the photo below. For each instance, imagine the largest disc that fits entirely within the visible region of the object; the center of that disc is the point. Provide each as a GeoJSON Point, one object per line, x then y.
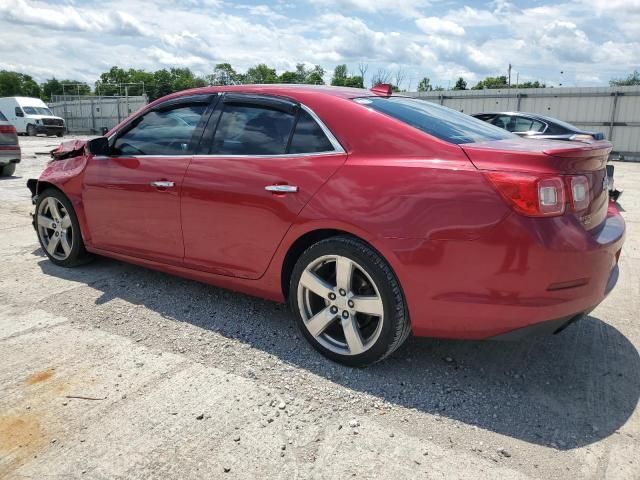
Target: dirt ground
{"type": "Point", "coordinates": [114, 371]}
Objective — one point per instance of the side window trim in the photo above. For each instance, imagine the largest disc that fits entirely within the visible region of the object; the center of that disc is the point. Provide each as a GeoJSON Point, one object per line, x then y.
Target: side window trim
{"type": "Point", "coordinates": [337, 147]}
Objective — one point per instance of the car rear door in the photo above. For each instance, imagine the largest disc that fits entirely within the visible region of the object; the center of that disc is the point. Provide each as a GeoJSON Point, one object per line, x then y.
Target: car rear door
{"type": "Point", "coordinates": [261, 160]}
{"type": "Point", "coordinates": [132, 196]}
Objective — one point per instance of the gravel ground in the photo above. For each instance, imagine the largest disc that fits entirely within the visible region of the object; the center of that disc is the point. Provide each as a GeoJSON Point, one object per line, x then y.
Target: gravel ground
{"type": "Point", "coordinates": [114, 371]}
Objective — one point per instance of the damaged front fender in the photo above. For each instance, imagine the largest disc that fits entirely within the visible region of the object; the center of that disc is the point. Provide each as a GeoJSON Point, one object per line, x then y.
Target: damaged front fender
{"type": "Point", "coordinates": [69, 149]}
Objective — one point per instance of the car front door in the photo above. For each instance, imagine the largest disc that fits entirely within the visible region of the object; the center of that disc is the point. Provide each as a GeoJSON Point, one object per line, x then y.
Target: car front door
{"type": "Point", "coordinates": [132, 197]}
{"type": "Point", "coordinates": [261, 160]}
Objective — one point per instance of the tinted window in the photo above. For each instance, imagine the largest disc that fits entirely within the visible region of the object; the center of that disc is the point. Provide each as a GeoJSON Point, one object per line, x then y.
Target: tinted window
{"type": "Point", "coordinates": [441, 122]}
{"type": "Point", "coordinates": [19, 112]}
{"type": "Point", "coordinates": [2, 117]}
{"type": "Point", "coordinates": [165, 132]}
{"type": "Point", "coordinates": [485, 117]}
{"type": "Point", "coordinates": [252, 130]}
{"type": "Point", "coordinates": [37, 111]}
{"type": "Point", "coordinates": [308, 137]}
{"type": "Point", "coordinates": [523, 124]}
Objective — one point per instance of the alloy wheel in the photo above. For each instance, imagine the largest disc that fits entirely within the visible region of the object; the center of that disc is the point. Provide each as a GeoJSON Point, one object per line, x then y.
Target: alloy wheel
{"type": "Point", "coordinates": [55, 228]}
{"type": "Point", "coordinates": [340, 305]}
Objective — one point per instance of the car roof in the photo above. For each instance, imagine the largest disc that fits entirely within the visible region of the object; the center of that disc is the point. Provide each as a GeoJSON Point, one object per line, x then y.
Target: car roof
{"type": "Point", "coordinates": [294, 91]}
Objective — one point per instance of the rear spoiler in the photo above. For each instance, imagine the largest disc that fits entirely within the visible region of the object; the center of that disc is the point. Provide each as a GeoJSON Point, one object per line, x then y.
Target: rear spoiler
{"type": "Point", "coordinates": [599, 148]}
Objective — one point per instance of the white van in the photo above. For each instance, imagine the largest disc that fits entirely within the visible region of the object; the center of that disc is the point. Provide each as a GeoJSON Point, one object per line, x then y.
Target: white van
{"type": "Point", "coordinates": [31, 116]}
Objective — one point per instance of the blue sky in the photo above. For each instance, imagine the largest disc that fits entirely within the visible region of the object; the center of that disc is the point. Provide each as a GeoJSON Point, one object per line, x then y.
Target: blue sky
{"type": "Point", "coordinates": [573, 42]}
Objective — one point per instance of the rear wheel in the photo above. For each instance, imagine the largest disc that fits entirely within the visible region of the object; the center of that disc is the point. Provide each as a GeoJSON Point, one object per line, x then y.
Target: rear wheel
{"type": "Point", "coordinates": [8, 170]}
{"type": "Point", "coordinates": [59, 134]}
{"type": "Point", "coordinates": [31, 130]}
{"type": "Point", "coordinates": [347, 302]}
{"type": "Point", "coordinates": [59, 230]}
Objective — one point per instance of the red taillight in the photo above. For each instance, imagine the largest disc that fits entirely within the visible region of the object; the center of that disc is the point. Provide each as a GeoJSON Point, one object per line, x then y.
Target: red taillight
{"type": "Point", "coordinates": [531, 195]}
{"type": "Point", "coordinates": [579, 191]}
{"type": "Point", "coordinates": [7, 129]}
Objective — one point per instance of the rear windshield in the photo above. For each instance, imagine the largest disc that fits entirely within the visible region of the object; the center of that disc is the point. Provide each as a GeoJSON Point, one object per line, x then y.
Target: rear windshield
{"type": "Point", "coordinates": [441, 122]}
{"type": "Point", "coordinates": [2, 117]}
{"type": "Point", "coordinates": [37, 111]}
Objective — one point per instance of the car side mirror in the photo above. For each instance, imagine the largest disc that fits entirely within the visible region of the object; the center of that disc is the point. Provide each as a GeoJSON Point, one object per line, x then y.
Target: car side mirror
{"type": "Point", "coordinates": [99, 146]}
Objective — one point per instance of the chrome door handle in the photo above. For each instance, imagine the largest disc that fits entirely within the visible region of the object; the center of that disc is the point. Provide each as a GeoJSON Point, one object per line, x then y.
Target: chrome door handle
{"type": "Point", "coordinates": [162, 184]}
{"type": "Point", "coordinates": [281, 188]}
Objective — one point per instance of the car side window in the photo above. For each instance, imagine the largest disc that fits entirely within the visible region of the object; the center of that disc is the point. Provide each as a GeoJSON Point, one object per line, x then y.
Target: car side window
{"type": "Point", "coordinates": [19, 112]}
{"type": "Point", "coordinates": [502, 121]}
{"type": "Point", "coordinates": [308, 136]}
{"type": "Point", "coordinates": [252, 130]}
{"type": "Point", "coordinates": [523, 124]}
{"type": "Point", "coordinates": [161, 132]}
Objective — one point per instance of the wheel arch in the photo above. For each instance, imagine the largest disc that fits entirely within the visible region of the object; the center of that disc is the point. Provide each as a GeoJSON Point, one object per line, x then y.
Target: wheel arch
{"type": "Point", "coordinates": [305, 240]}
{"type": "Point", "coordinates": [38, 186]}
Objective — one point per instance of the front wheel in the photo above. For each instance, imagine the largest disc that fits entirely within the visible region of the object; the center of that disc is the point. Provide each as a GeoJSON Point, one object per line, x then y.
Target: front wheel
{"type": "Point", "coordinates": [58, 229]}
{"type": "Point", "coordinates": [348, 302]}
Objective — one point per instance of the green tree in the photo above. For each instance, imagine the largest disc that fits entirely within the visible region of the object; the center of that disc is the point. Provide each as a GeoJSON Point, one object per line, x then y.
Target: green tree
{"type": "Point", "coordinates": [302, 74]}
{"type": "Point", "coordinates": [54, 86]}
{"type": "Point", "coordinates": [118, 81]}
{"type": "Point", "coordinates": [261, 73]}
{"type": "Point", "coordinates": [340, 75]}
{"type": "Point", "coordinates": [438, 88]}
{"type": "Point", "coordinates": [18, 84]}
{"type": "Point", "coordinates": [425, 85]}
{"type": "Point", "coordinates": [535, 84]}
{"type": "Point", "coordinates": [224, 74]}
{"type": "Point", "coordinates": [631, 79]}
{"type": "Point", "coordinates": [492, 82]}
{"type": "Point", "coordinates": [461, 84]}
{"type": "Point", "coordinates": [341, 78]}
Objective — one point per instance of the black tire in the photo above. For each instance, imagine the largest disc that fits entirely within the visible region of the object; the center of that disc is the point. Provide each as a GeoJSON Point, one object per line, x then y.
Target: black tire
{"type": "Point", "coordinates": [78, 254]}
{"type": "Point", "coordinates": [395, 326]}
{"type": "Point", "coordinates": [31, 130]}
{"type": "Point", "coordinates": [59, 134]}
{"type": "Point", "coordinates": [8, 170]}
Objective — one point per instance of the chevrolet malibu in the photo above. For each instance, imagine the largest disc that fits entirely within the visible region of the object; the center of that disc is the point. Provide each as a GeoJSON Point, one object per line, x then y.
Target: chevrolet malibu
{"type": "Point", "coordinates": [373, 215]}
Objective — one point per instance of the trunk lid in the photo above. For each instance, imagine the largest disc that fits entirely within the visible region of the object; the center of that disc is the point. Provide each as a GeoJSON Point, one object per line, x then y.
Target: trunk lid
{"type": "Point", "coordinates": [552, 158]}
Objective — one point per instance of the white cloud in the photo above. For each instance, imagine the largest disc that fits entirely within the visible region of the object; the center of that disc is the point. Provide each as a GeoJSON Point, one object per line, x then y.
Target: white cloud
{"type": "Point", "coordinates": [440, 40]}
{"type": "Point", "coordinates": [439, 25]}
{"type": "Point", "coordinates": [404, 7]}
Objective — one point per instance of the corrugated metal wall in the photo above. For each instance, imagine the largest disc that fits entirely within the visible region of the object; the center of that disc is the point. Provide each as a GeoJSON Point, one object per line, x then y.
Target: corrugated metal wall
{"type": "Point", "coordinates": [89, 114]}
{"type": "Point", "coordinates": [614, 111]}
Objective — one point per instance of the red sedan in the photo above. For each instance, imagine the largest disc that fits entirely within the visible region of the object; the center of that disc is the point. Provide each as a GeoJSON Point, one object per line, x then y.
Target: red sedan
{"type": "Point", "coordinates": [375, 216]}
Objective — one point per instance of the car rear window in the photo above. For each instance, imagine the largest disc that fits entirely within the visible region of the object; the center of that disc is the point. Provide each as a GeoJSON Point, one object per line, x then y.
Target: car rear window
{"type": "Point", "coordinates": [2, 117]}
{"type": "Point", "coordinates": [441, 122]}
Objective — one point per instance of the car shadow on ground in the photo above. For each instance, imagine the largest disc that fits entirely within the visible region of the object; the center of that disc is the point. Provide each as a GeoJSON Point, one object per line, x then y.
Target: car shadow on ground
{"type": "Point", "coordinates": [563, 391]}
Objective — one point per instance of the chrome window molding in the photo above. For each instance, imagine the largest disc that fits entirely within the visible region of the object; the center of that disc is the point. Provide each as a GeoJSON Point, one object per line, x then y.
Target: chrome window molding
{"type": "Point", "coordinates": [334, 141]}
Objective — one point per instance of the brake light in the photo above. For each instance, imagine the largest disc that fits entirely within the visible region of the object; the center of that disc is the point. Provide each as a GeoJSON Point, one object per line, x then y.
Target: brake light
{"type": "Point", "coordinates": [529, 194]}
{"type": "Point", "coordinates": [7, 129]}
{"type": "Point", "coordinates": [579, 188]}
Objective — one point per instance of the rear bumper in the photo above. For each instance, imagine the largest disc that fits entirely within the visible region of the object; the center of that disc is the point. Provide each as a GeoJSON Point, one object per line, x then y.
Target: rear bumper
{"type": "Point", "coordinates": [9, 154]}
{"type": "Point", "coordinates": [525, 272]}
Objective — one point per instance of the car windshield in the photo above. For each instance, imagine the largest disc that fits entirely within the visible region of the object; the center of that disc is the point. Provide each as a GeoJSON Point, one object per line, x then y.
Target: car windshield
{"type": "Point", "coordinates": [37, 111]}
{"type": "Point", "coordinates": [441, 122]}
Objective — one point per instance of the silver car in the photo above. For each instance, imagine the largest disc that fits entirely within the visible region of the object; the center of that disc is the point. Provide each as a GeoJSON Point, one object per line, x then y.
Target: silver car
{"type": "Point", "coordinates": [9, 148]}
